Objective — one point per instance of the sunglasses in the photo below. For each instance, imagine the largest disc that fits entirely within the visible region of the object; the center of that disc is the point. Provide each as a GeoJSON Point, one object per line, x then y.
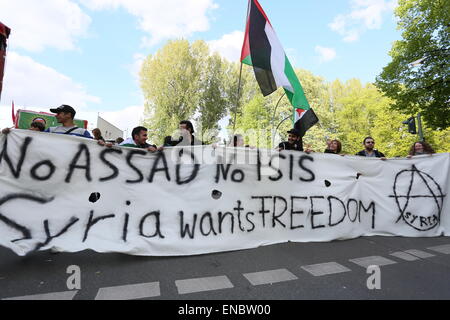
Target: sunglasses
{"type": "Point", "coordinates": [370, 142]}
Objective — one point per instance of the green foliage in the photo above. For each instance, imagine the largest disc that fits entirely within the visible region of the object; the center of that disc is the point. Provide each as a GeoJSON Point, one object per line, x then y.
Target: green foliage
{"type": "Point", "coordinates": [254, 122]}
{"type": "Point", "coordinates": [180, 81]}
{"type": "Point", "coordinates": [277, 108]}
{"type": "Point", "coordinates": [184, 81]}
{"type": "Point", "coordinates": [423, 86]}
{"type": "Point", "coordinates": [169, 83]}
{"type": "Point", "coordinates": [320, 98]}
{"type": "Point", "coordinates": [439, 140]}
{"type": "Point", "coordinates": [248, 89]}
{"type": "Point", "coordinates": [213, 102]}
{"type": "Point", "coordinates": [362, 111]}
{"type": "Point", "coordinates": [347, 111]}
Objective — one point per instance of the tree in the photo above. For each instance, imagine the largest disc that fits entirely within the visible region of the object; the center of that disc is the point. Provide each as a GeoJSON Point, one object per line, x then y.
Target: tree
{"type": "Point", "coordinates": [213, 103]}
{"type": "Point", "coordinates": [182, 81]}
{"type": "Point", "coordinates": [318, 94]}
{"type": "Point", "coordinates": [347, 111]}
{"type": "Point", "coordinates": [417, 78]}
{"type": "Point", "coordinates": [169, 81]}
{"type": "Point", "coordinates": [259, 117]}
{"type": "Point", "coordinates": [320, 99]}
{"type": "Point", "coordinates": [254, 122]}
{"type": "Point", "coordinates": [239, 96]}
{"type": "Point", "coordinates": [356, 113]}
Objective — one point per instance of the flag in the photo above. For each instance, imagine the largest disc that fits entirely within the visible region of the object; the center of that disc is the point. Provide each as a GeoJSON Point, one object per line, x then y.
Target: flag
{"type": "Point", "coordinates": [263, 51]}
{"type": "Point", "coordinates": [304, 119]}
{"type": "Point", "coordinates": [13, 116]}
{"type": "Point", "coordinates": [4, 34]}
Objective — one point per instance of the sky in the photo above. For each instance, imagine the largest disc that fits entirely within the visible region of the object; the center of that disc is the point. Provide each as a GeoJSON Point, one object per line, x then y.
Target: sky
{"type": "Point", "coordinates": [88, 53]}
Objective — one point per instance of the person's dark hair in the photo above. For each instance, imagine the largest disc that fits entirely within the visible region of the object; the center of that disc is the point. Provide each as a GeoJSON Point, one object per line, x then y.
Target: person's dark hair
{"type": "Point", "coordinates": [37, 124]}
{"type": "Point", "coordinates": [235, 139]}
{"type": "Point", "coordinates": [39, 119]}
{"type": "Point", "coordinates": [188, 124]}
{"type": "Point", "coordinates": [119, 140]}
{"type": "Point", "coordinates": [339, 145]}
{"type": "Point", "coordinates": [97, 133]}
{"type": "Point", "coordinates": [369, 137]}
{"type": "Point", "coordinates": [64, 108]}
{"type": "Point", "coordinates": [137, 130]}
{"type": "Point", "coordinates": [426, 148]}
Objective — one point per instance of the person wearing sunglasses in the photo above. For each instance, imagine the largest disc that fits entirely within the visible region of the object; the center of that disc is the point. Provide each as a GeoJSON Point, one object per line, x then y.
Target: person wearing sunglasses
{"type": "Point", "coordinates": [369, 150]}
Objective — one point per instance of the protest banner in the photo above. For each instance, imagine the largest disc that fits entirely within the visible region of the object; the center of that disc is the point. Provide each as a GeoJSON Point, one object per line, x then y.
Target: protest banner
{"type": "Point", "coordinates": [69, 192]}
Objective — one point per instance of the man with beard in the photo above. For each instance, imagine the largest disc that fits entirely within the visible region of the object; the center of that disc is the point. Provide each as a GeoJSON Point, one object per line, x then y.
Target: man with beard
{"type": "Point", "coordinates": [294, 142]}
{"type": "Point", "coordinates": [369, 150]}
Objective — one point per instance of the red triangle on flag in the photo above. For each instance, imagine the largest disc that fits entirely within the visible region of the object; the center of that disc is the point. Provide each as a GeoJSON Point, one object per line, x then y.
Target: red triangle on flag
{"type": "Point", "coordinates": [299, 112]}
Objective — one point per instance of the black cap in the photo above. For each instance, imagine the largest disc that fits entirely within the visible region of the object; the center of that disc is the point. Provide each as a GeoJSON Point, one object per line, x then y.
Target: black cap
{"type": "Point", "coordinates": [64, 108]}
{"type": "Point", "coordinates": [294, 131]}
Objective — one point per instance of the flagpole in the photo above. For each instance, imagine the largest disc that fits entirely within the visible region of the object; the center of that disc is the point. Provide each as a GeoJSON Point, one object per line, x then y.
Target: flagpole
{"type": "Point", "coordinates": [238, 98]}
{"type": "Point", "coordinates": [276, 106]}
{"type": "Point", "coordinates": [273, 139]}
{"type": "Point", "coordinates": [240, 76]}
{"type": "Point", "coordinates": [274, 132]}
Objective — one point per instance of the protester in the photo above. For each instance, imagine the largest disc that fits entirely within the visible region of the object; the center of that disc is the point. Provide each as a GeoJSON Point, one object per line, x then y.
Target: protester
{"type": "Point", "coordinates": [237, 141]}
{"type": "Point", "coordinates": [294, 142]}
{"type": "Point", "coordinates": [419, 148]}
{"type": "Point", "coordinates": [65, 115]}
{"type": "Point", "coordinates": [369, 150]}
{"type": "Point", "coordinates": [139, 140]}
{"type": "Point", "coordinates": [186, 125]}
{"type": "Point", "coordinates": [34, 126]}
{"type": "Point", "coordinates": [98, 135]}
{"type": "Point", "coordinates": [184, 136]}
{"type": "Point", "coordinates": [6, 130]}
{"type": "Point", "coordinates": [37, 126]}
{"type": "Point", "coordinates": [334, 146]}
{"type": "Point", "coordinates": [119, 140]}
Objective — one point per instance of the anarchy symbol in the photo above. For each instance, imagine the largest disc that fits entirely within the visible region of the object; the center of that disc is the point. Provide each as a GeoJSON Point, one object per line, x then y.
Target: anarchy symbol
{"type": "Point", "coordinates": [429, 200]}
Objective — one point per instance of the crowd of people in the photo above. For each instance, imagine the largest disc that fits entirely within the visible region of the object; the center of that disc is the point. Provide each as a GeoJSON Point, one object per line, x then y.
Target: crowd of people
{"type": "Point", "coordinates": [335, 146]}
{"type": "Point", "coordinates": [65, 115]}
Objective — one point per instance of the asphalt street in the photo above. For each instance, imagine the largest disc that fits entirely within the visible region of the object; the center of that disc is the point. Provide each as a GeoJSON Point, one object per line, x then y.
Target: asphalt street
{"type": "Point", "coordinates": [410, 268]}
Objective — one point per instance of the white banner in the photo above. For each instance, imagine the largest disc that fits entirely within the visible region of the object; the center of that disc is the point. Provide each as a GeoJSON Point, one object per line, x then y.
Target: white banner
{"type": "Point", "coordinates": [68, 192]}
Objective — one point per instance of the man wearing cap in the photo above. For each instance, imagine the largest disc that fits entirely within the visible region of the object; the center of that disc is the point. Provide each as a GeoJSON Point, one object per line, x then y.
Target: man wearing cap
{"type": "Point", "coordinates": [294, 142]}
{"type": "Point", "coordinates": [65, 115]}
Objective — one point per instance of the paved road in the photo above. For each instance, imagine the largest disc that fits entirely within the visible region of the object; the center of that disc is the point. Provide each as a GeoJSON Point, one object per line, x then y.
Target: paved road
{"type": "Point", "coordinates": [411, 268]}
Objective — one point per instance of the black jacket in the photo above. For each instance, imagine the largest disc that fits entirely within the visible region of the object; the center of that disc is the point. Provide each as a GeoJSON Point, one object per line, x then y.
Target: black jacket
{"type": "Point", "coordinates": [297, 146]}
{"type": "Point", "coordinates": [378, 154]}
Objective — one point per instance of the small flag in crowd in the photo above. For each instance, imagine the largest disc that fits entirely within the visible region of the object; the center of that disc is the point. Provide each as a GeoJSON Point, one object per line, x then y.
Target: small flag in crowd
{"type": "Point", "coordinates": [263, 51]}
{"type": "Point", "coordinates": [13, 115]}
